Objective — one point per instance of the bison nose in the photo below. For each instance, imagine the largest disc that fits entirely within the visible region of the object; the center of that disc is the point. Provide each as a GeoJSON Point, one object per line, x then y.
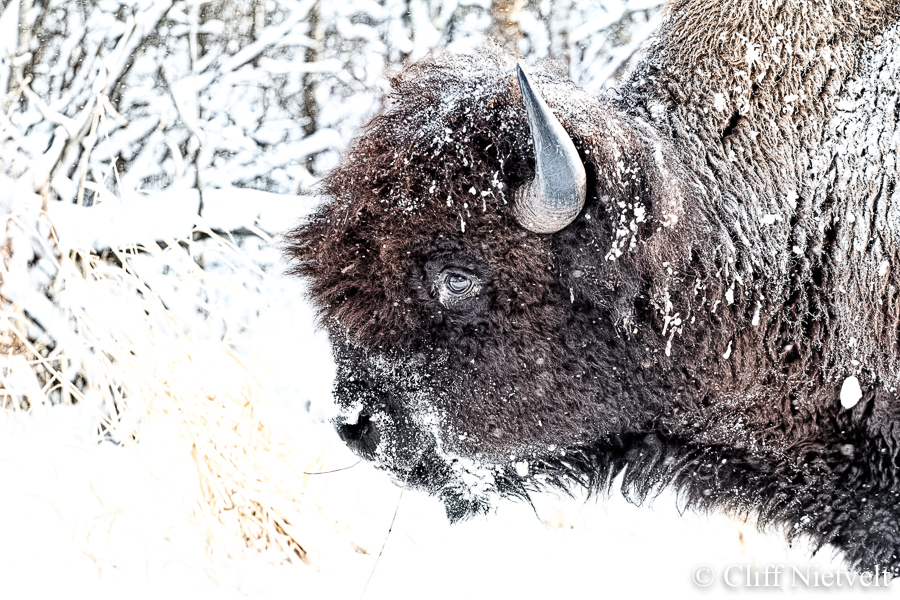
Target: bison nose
{"type": "Point", "coordinates": [361, 437]}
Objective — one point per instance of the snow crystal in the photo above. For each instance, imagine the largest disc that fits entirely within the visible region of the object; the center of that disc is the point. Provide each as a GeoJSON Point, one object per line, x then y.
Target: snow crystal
{"type": "Point", "coordinates": [845, 105]}
{"type": "Point", "coordinates": [522, 468]}
{"type": "Point", "coordinates": [850, 392]}
{"type": "Point", "coordinates": [719, 102]}
{"type": "Point", "coordinates": [640, 213]}
{"type": "Point", "coordinates": [753, 53]}
{"type": "Point", "coordinates": [792, 197]}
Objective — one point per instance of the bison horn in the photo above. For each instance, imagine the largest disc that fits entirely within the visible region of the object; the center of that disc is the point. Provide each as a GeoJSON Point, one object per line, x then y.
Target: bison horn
{"type": "Point", "coordinates": [556, 195]}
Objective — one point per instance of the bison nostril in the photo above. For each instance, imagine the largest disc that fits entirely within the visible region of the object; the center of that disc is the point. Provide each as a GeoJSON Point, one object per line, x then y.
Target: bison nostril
{"type": "Point", "coordinates": [361, 437]}
{"type": "Point", "coordinates": [353, 432]}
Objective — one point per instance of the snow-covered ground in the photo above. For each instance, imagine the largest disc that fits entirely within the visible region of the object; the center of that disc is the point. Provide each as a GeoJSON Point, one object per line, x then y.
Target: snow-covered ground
{"type": "Point", "coordinates": [164, 389]}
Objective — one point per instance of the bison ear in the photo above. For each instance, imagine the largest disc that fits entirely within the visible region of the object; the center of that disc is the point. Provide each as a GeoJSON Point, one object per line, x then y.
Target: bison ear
{"type": "Point", "coordinates": [556, 195]}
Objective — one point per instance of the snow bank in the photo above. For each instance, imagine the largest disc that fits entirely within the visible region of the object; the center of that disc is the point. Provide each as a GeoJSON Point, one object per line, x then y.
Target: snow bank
{"type": "Point", "coordinates": [159, 216]}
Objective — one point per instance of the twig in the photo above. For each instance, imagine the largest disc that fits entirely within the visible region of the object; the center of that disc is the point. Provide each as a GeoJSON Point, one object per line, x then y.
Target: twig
{"type": "Point", "coordinates": [106, 106]}
{"type": "Point", "coordinates": [375, 566]}
{"type": "Point", "coordinates": [136, 31]}
{"type": "Point", "coordinates": [271, 37]}
{"type": "Point", "coordinates": [88, 144]}
{"type": "Point", "coordinates": [336, 470]}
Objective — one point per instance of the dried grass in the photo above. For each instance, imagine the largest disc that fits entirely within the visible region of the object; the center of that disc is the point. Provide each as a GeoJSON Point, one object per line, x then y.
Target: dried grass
{"type": "Point", "coordinates": [146, 333]}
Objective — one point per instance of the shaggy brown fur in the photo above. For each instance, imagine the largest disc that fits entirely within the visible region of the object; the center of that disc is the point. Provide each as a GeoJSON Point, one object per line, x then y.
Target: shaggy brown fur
{"type": "Point", "coordinates": [733, 264]}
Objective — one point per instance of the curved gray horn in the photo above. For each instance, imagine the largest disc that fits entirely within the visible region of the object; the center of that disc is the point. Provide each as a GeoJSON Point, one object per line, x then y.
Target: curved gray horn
{"type": "Point", "coordinates": [556, 195]}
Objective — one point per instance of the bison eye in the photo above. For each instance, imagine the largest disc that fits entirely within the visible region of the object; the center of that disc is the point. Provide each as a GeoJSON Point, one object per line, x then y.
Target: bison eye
{"type": "Point", "coordinates": [458, 284]}
{"type": "Point", "coordinates": [454, 285]}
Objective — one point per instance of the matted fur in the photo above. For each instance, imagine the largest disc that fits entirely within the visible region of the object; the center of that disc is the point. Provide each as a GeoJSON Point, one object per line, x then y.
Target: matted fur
{"type": "Point", "coordinates": [736, 260]}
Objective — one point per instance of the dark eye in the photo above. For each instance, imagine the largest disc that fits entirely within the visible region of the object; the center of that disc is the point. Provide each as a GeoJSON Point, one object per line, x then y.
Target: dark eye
{"type": "Point", "coordinates": [458, 284]}
{"type": "Point", "coordinates": [454, 285]}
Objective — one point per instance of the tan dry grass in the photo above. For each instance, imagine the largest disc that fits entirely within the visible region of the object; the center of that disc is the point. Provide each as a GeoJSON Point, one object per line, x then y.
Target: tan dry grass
{"type": "Point", "coordinates": [104, 336]}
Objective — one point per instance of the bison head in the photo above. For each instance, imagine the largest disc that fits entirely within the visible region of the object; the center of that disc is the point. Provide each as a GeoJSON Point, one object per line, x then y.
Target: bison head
{"type": "Point", "coordinates": [484, 271]}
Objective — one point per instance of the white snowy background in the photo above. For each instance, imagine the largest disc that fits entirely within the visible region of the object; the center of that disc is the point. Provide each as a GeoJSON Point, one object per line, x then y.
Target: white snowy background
{"type": "Point", "coordinates": [163, 390]}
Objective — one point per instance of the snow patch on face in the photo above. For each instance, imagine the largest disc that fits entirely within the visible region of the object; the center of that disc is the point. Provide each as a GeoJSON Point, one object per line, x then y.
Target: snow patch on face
{"type": "Point", "coordinates": [477, 480]}
{"type": "Point", "coordinates": [419, 435]}
{"type": "Point", "coordinates": [474, 479]}
{"type": "Point", "coordinates": [351, 415]}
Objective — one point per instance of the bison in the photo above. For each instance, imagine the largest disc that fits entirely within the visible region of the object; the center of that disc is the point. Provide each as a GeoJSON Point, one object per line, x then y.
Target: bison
{"type": "Point", "coordinates": [692, 278]}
